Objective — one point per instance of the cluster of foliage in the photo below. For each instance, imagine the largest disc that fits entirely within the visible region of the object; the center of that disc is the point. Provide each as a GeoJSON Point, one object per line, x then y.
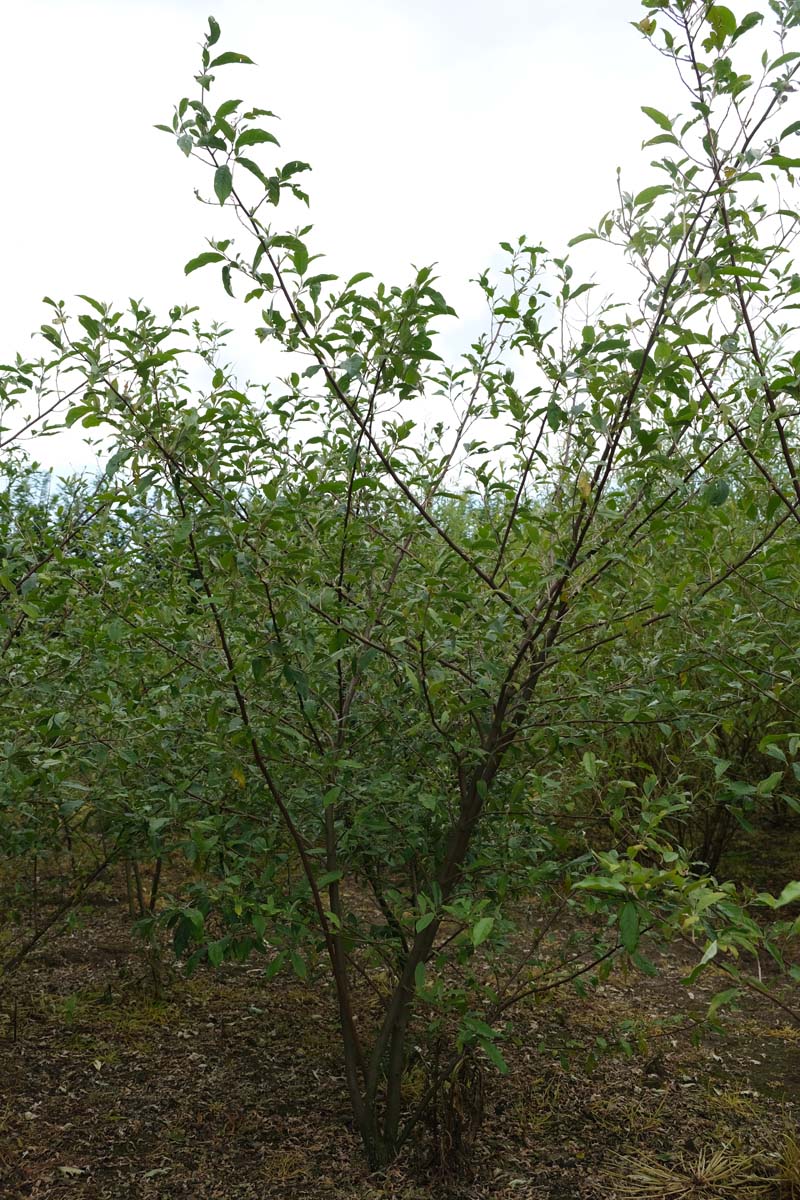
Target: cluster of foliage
{"type": "Point", "coordinates": [403, 663]}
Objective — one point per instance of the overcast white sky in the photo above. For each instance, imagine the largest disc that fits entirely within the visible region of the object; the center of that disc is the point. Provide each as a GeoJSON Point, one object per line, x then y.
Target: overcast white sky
{"type": "Point", "coordinates": [436, 128]}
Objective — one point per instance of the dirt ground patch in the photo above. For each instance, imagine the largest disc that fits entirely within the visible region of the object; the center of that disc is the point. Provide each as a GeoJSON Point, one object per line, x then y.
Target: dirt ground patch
{"type": "Point", "coordinates": [230, 1088]}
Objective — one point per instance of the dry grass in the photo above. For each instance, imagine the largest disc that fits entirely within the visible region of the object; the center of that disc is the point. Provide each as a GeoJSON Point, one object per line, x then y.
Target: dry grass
{"type": "Point", "coordinates": [789, 1169]}
{"type": "Point", "coordinates": [734, 1101]}
{"type": "Point", "coordinates": [713, 1175]}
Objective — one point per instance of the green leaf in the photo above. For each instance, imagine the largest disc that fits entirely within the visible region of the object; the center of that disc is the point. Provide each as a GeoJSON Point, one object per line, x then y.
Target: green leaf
{"type": "Point", "coordinates": [328, 878]}
{"type": "Point", "coordinates": [286, 241]}
{"type": "Point", "coordinates": [117, 460]}
{"type": "Point", "coordinates": [709, 952]}
{"type": "Point", "coordinates": [181, 530]}
{"type": "Point", "coordinates": [254, 169]}
{"type": "Point", "coordinates": [196, 919]}
{"type": "Point", "coordinates": [185, 144]}
{"type": "Point", "coordinates": [49, 332]}
{"type": "Point", "coordinates": [299, 965]}
{"type": "Point", "coordinates": [583, 237]}
{"type": "Point", "coordinates": [95, 304]}
{"type": "Point", "coordinates": [293, 168]}
{"type": "Point", "coordinates": [716, 492]}
{"type": "Point", "coordinates": [721, 999]}
{"type": "Point", "coordinates": [748, 22]}
{"type": "Point", "coordinates": [784, 59]}
{"type": "Point", "coordinates": [481, 930]}
{"type": "Point", "coordinates": [75, 414]}
{"type": "Point", "coordinates": [213, 32]}
{"type": "Point", "coordinates": [650, 193]}
{"type": "Point", "coordinates": [300, 260]}
{"type": "Point", "coordinates": [276, 965]}
{"type": "Point", "coordinates": [351, 367]}
{"type": "Point", "coordinates": [223, 183]}
{"type": "Point", "coordinates": [216, 953]}
{"type": "Point", "coordinates": [254, 137]}
{"type": "Point", "coordinates": [644, 965]}
{"type": "Point", "coordinates": [476, 1025]}
{"type": "Point", "coordinates": [314, 280]}
{"type": "Point", "coordinates": [259, 666]}
{"type": "Point", "coordinates": [629, 926]}
{"type": "Point", "coordinates": [225, 109]}
{"type": "Point", "coordinates": [662, 139]}
{"type": "Point", "coordinates": [788, 896]}
{"type": "Point", "coordinates": [770, 783]}
{"type": "Point", "coordinates": [227, 130]}
{"type": "Point", "coordinates": [494, 1055]}
{"type": "Point", "coordinates": [202, 260]}
{"type": "Point", "coordinates": [230, 56]}
{"type": "Point", "coordinates": [660, 118]}
{"type": "Point", "coordinates": [600, 883]}
{"type": "Point", "coordinates": [721, 20]}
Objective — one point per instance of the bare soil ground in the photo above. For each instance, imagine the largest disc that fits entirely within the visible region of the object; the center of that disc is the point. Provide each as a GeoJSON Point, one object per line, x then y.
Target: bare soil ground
{"type": "Point", "coordinates": [230, 1088]}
